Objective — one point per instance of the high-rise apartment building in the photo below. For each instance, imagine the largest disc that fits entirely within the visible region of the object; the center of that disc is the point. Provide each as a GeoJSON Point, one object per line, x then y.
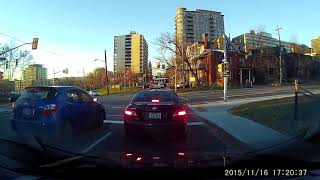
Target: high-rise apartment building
{"type": "Point", "coordinates": [33, 75]}
{"type": "Point", "coordinates": [253, 40]}
{"type": "Point", "coordinates": [190, 25]}
{"type": "Point", "coordinates": [131, 52]}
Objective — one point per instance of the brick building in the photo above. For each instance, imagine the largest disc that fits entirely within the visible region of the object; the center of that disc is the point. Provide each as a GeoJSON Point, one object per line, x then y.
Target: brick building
{"type": "Point", "coordinates": [207, 63]}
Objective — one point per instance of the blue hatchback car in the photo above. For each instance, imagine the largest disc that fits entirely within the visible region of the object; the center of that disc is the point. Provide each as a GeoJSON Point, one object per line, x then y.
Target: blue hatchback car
{"type": "Point", "coordinates": [57, 110]}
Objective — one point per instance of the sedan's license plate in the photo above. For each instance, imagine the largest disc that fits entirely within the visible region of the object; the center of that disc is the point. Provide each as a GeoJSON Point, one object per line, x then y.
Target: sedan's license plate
{"type": "Point", "coordinates": [154, 115]}
{"type": "Point", "coordinates": [27, 111]}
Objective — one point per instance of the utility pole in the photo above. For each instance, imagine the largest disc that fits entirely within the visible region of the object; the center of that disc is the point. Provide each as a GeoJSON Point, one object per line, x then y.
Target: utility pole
{"type": "Point", "coordinates": [84, 79]}
{"type": "Point", "coordinates": [105, 61]}
{"type": "Point", "coordinates": [280, 54]}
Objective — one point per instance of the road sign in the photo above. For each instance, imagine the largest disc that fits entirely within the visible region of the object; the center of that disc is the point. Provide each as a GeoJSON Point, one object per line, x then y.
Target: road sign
{"type": "Point", "coordinates": [35, 43]}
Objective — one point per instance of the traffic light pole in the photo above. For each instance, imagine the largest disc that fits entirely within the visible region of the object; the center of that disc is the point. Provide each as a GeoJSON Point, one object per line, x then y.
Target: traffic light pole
{"type": "Point", "coordinates": [225, 77]}
{"type": "Point", "coordinates": [34, 46]}
{"type": "Point", "coordinates": [54, 74]}
{"type": "Point", "coordinates": [14, 48]}
{"type": "Point", "coordinates": [280, 56]}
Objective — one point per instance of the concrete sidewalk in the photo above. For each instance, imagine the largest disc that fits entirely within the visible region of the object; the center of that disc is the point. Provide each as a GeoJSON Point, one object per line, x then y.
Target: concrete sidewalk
{"type": "Point", "coordinates": [247, 131]}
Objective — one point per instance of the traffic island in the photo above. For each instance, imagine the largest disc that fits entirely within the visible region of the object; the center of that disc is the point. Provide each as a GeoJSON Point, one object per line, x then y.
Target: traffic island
{"type": "Point", "coordinates": [280, 115]}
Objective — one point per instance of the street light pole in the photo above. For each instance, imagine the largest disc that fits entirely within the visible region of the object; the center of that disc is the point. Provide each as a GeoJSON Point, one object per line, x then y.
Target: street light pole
{"type": "Point", "coordinates": [175, 76]}
{"type": "Point", "coordinates": [183, 58]}
{"type": "Point", "coordinates": [54, 74]}
{"type": "Point", "coordinates": [280, 55]}
{"type": "Point", "coordinates": [105, 61]}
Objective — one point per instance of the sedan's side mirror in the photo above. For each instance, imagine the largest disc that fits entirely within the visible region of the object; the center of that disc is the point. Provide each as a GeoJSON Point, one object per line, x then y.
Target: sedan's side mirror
{"type": "Point", "coordinates": [95, 99]}
{"type": "Point", "coordinates": [13, 99]}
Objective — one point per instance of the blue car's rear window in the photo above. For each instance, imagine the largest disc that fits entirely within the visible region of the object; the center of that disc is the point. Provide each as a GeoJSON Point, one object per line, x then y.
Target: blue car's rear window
{"type": "Point", "coordinates": [39, 93]}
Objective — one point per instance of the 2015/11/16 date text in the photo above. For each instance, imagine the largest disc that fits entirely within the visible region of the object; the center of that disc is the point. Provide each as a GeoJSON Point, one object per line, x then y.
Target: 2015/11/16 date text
{"type": "Point", "coordinates": [265, 172]}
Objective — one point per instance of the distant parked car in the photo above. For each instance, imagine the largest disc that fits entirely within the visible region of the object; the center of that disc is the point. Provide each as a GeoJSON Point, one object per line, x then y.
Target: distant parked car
{"type": "Point", "coordinates": [147, 85]}
{"type": "Point", "coordinates": [180, 85]}
{"type": "Point", "coordinates": [94, 93]}
{"type": "Point", "coordinates": [58, 111]}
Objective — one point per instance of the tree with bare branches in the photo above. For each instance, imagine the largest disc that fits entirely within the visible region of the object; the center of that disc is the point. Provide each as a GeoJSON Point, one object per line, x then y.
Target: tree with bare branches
{"type": "Point", "coordinates": [16, 59]}
{"type": "Point", "coordinates": [259, 31]}
{"type": "Point", "coordinates": [172, 52]}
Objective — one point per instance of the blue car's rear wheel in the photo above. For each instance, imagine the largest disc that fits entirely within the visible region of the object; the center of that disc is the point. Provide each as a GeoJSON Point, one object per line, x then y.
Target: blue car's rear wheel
{"type": "Point", "coordinates": [65, 130]}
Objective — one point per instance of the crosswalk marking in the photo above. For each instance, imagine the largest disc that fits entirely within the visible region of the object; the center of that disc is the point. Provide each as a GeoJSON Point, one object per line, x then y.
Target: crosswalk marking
{"type": "Point", "coordinates": [199, 123]}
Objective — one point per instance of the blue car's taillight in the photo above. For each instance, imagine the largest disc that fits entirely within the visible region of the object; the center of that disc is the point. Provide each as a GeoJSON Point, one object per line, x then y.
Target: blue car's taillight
{"type": "Point", "coordinates": [49, 109]}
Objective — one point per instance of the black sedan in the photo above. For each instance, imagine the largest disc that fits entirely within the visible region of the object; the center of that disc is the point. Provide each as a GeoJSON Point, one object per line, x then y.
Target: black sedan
{"type": "Point", "coordinates": [155, 110]}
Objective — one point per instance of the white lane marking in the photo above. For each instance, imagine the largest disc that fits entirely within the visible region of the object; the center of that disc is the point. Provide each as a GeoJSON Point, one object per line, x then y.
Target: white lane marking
{"type": "Point", "coordinates": [113, 122]}
{"type": "Point", "coordinates": [121, 122]}
{"type": "Point", "coordinates": [195, 123]}
{"type": "Point", "coordinates": [61, 162]}
{"type": "Point", "coordinates": [96, 143]}
{"type": "Point", "coordinates": [117, 107]}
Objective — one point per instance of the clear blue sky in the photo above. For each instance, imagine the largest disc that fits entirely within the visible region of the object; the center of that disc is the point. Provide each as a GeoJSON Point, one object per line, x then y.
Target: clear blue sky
{"type": "Point", "coordinates": [79, 31]}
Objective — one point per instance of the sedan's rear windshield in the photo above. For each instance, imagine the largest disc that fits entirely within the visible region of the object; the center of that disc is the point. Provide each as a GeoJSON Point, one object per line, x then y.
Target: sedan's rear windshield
{"type": "Point", "coordinates": [39, 93]}
{"type": "Point", "coordinates": [148, 96]}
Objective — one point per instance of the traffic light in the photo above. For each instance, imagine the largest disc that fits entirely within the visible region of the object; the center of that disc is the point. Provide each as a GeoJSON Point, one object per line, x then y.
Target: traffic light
{"type": "Point", "coordinates": [220, 68]}
{"type": "Point", "coordinates": [7, 64]}
{"type": "Point", "coordinates": [66, 71]}
{"type": "Point", "coordinates": [17, 62]}
{"type": "Point", "coordinates": [226, 68]}
{"type": "Point", "coordinates": [35, 43]}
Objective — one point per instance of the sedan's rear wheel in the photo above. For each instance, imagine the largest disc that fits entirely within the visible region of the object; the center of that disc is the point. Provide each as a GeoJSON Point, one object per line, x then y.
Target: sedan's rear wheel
{"type": "Point", "coordinates": [100, 119]}
{"type": "Point", "coordinates": [66, 130]}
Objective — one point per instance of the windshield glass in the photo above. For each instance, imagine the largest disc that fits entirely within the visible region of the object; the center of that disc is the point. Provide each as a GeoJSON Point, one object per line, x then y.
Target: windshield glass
{"type": "Point", "coordinates": [155, 95]}
{"type": "Point", "coordinates": [39, 93]}
{"type": "Point", "coordinates": [162, 84]}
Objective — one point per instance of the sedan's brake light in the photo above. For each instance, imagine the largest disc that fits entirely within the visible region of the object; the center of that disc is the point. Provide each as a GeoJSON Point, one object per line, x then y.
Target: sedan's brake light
{"type": "Point", "coordinates": [130, 112]}
{"type": "Point", "coordinates": [49, 109]}
{"type": "Point", "coordinates": [182, 113]}
{"type": "Point", "coordinates": [155, 100]}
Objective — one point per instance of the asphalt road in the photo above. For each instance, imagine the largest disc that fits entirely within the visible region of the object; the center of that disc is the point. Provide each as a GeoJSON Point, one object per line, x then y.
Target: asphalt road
{"type": "Point", "coordinates": [110, 139]}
